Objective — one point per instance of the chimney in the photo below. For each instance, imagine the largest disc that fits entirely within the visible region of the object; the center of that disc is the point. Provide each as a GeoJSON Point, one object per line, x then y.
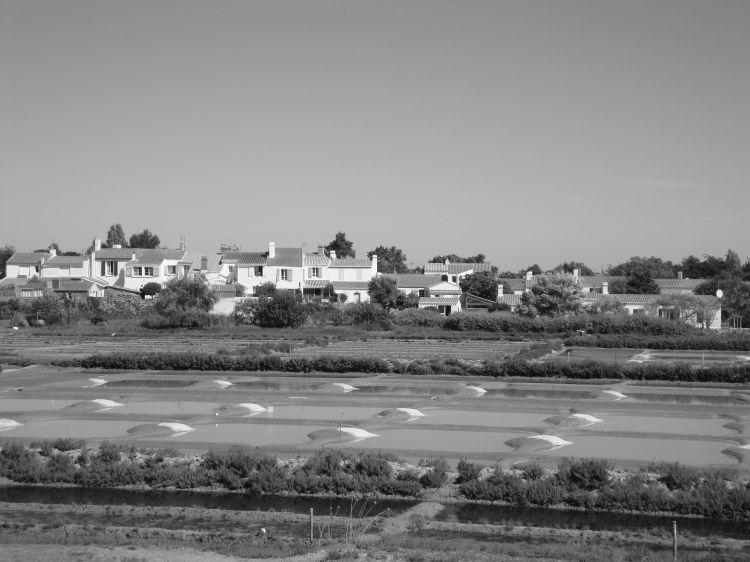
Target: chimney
{"type": "Point", "coordinates": [132, 255]}
{"type": "Point", "coordinates": [321, 250]}
{"type": "Point", "coordinates": [52, 252]}
{"type": "Point", "coordinates": [605, 288]}
{"type": "Point", "coordinates": [97, 244]}
{"type": "Point", "coordinates": [447, 261]}
{"type": "Point", "coordinates": [679, 275]}
{"type": "Point", "coordinates": [576, 273]}
{"type": "Point", "coordinates": [204, 263]}
{"type": "Point", "coordinates": [182, 244]}
{"type": "Point", "coordinates": [272, 249]}
{"type": "Point", "coordinates": [499, 290]}
{"type": "Point", "coordinates": [333, 255]}
{"type": "Point", "coordinates": [529, 275]}
{"type": "Point", "coordinates": [374, 261]}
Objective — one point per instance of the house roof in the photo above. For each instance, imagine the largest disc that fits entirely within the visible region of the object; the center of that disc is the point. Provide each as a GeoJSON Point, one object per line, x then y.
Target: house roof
{"type": "Point", "coordinates": [709, 300]}
{"type": "Point", "coordinates": [512, 300]}
{"type": "Point", "coordinates": [598, 280]}
{"type": "Point", "coordinates": [157, 255]}
{"type": "Point", "coordinates": [195, 258]}
{"type": "Point", "coordinates": [114, 254]}
{"type": "Point", "coordinates": [65, 261]}
{"type": "Point", "coordinates": [679, 284]}
{"type": "Point", "coordinates": [244, 259]}
{"type": "Point", "coordinates": [286, 257]}
{"type": "Point", "coordinates": [27, 258]}
{"type": "Point", "coordinates": [74, 286]}
{"type": "Point", "coordinates": [414, 280]}
{"type": "Point", "coordinates": [438, 301]}
{"type": "Point", "coordinates": [316, 259]}
{"type": "Point", "coordinates": [337, 285]}
{"type": "Point", "coordinates": [456, 268]}
{"type": "Point", "coordinates": [351, 262]}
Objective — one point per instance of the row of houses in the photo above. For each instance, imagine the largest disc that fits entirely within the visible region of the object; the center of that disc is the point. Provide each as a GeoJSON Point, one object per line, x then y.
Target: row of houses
{"type": "Point", "coordinates": [32, 274]}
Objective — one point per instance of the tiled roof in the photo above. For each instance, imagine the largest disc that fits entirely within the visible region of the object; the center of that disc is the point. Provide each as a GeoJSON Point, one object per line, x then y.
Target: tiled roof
{"type": "Point", "coordinates": [337, 285]}
{"type": "Point", "coordinates": [65, 261]}
{"type": "Point", "coordinates": [114, 254]}
{"type": "Point", "coordinates": [70, 286]}
{"type": "Point", "coordinates": [157, 255]}
{"type": "Point", "coordinates": [414, 280]}
{"type": "Point", "coordinates": [456, 268]}
{"type": "Point", "coordinates": [597, 280]}
{"type": "Point", "coordinates": [351, 262]}
{"type": "Point", "coordinates": [438, 301]}
{"type": "Point", "coordinates": [194, 259]}
{"type": "Point", "coordinates": [286, 257]}
{"type": "Point", "coordinates": [316, 259]}
{"type": "Point", "coordinates": [710, 300]}
{"type": "Point", "coordinates": [244, 259]}
{"type": "Point", "coordinates": [27, 258]}
{"type": "Point", "coordinates": [679, 284]}
{"type": "Point", "coordinates": [512, 300]}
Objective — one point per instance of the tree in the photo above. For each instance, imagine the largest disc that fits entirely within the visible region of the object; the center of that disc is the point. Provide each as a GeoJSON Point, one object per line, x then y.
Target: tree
{"type": "Point", "coordinates": [186, 302]}
{"type": "Point", "coordinates": [267, 289]}
{"type": "Point", "coordinates": [383, 291]}
{"type": "Point", "coordinates": [390, 260]}
{"type": "Point", "coordinates": [641, 282]}
{"type": "Point", "coordinates": [607, 304]}
{"type": "Point", "coordinates": [657, 267]}
{"type": "Point", "coordinates": [115, 236]}
{"type": "Point", "coordinates": [283, 310]}
{"type": "Point", "coordinates": [342, 246]}
{"type": "Point", "coordinates": [150, 289]}
{"type": "Point", "coordinates": [571, 266]}
{"type": "Point", "coordinates": [534, 269]}
{"type": "Point", "coordinates": [454, 258]}
{"type": "Point", "coordinates": [554, 294]}
{"type": "Point", "coordinates": [690, 309]}
{"type": "Point", "coordinates": [5, 253]}
{"type": "Point", "coordinates": [407, 301]}
{"type": "Point", "coordinates": [145, 239]}
{"type": "Point", "coordinates": [481, 284]}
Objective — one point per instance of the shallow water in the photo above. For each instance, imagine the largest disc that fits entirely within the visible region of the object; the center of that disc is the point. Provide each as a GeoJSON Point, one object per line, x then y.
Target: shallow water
{"type": "Point", "coordinates": [687, 451]}
{"type": "Point", "coordinates": [540, 517]}
{"type": "Point", "coordinates": [450, 442]}
{"type": "Point", "coordinates": [169, 407]}
{"type": "Point", "coordinates": [664, 424]}
{"type": "Point", "coordinates": [256, 435]}
{"type": "Point", "coordinates": [486, 419]}
{"type": "Point", "coordinates": [157, 498]}
{"type": "Point", "coordinates": [81, 429]}
{"type": "Point", "coordinates": [32, 404]}
{"type": "Point", "coordinates": [149, 383]}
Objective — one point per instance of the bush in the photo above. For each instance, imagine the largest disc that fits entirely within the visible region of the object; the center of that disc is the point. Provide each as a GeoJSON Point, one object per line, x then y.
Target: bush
{"type": "Point", "coordinates": [412, 317]}
{"type": "Point", "coordinates": [437, 476]}
{"type": "Point", "coordinates": [674, 475]}
{"type": "Point", "coordinates": [583, 474]}
{"type": "Point", "coordinates": [468, 471]}
{"type": "Point", "coordinates": [283, 310]}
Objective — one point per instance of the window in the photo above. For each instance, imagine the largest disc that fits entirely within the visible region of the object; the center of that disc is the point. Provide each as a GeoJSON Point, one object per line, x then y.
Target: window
{"type": "Point", "coordinates": [171, 270]}
{"type": "Point", "coordinates": [148, 271]}
{"type": "Point", "coordinates": [315, 272]}
{"type": "Point", "coordinates": [422, 292]}
{"type": "Point", "coordinates": [232, 268]}
{"type": "Point", "coordinates": [110, 267]}
{"type": "Point", "coordinates": [137, 271]}
{"type": "Point", "coordinates": [454, 278]}
{"type": "Point", "coordinates": [284, 275]}
{"type": "Point", "coordinates": [27, 292]}
{"type": "Point", "coordinates": [258, 271]}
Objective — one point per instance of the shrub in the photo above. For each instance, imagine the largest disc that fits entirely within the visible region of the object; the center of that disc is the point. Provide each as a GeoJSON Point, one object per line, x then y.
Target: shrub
{"type": "Point", "coordinates": [533, 471]}
{"type": "Point", "coordinates": [413, 317]}
{"type": "Point", "coordinates": [584, 474]}
{"type": "Point", "coordinates": [468, 471]}
{"type": "Point", "coordinates": [282, 310]}
{"type": "Point", "coordinates": [437, 476]}
{"type": "Point", "coordinates": [675, 475]}
{"type": "Point", "coordinates": [109, 452]}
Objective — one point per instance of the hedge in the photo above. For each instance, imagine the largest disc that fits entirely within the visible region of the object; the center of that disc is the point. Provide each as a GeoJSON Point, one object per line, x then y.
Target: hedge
{"type": "Point", "coordinates": [708, 342]}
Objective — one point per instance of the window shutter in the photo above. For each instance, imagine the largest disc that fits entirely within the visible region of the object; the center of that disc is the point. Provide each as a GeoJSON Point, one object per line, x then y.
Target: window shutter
{"type": "Point", "coordinates": [290, 275]}
{"type": "Point", "coordinates": [114, 269]}
{"type": "Point", "coordinates": [156, 271]}
{"type": "Point", "coordinates": [104, 270]}
{"type": "Point", "coordinates": [129, 271]}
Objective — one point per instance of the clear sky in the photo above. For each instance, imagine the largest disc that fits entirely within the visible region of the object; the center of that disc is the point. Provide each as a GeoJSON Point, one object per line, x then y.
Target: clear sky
{"type": "Point", "coordinates": [529, 130]}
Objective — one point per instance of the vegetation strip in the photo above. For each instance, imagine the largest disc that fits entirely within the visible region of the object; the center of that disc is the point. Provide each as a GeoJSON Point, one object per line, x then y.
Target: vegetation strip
{"type": "Point", "coordinates": [579, 483]}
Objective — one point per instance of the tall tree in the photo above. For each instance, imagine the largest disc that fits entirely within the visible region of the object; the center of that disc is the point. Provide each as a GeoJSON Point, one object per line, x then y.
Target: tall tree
{"type": "Point", "coordinates": [5, 253]}
{"type": "Point", "coordinates": [145, 239]}
{"type": "Point", "coordinates": [571, 266]}
{"type": "Point", "coordinates": [342, 246]}
{"type": "Point", "coordinates": [115, 236]}
{"type": "Point", "coordinates": [657, 267]}
{"type": "Point", "coordinates": [390, 259]}
{"type": "Point", "coordinates": [482, 284]}
{"type": "Point", "coordinates": [554, 294]}
{"type": "Point", "coordinates": [641, 282]}
{"type": "Point", "coordinates": [455, 258]}
{"type": "Point", "coordinates": [534, 269]}
{"type": "Point", "coordinates": [383, 291]}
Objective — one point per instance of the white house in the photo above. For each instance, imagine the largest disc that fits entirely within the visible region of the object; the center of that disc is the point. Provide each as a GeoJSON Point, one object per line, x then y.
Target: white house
{"type": "Point", "coordinates": [454, 272]}
{"type": "Point", "coordinates": [26, 264]}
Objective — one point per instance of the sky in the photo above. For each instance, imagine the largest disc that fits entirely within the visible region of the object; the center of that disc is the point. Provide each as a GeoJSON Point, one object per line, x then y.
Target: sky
{"type": "Point", "coordinates": [533, 131]}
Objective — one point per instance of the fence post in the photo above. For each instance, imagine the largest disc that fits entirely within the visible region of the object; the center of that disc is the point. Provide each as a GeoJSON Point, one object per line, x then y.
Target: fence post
{"type": "Point", "coordinates": [674, 540]}
{"type": "Point", "coordinates": [311, 525]}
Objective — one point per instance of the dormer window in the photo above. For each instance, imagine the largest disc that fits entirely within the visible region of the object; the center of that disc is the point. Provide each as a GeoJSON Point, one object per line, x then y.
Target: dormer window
{"type": "Point", "coordinates": [314, 272]}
